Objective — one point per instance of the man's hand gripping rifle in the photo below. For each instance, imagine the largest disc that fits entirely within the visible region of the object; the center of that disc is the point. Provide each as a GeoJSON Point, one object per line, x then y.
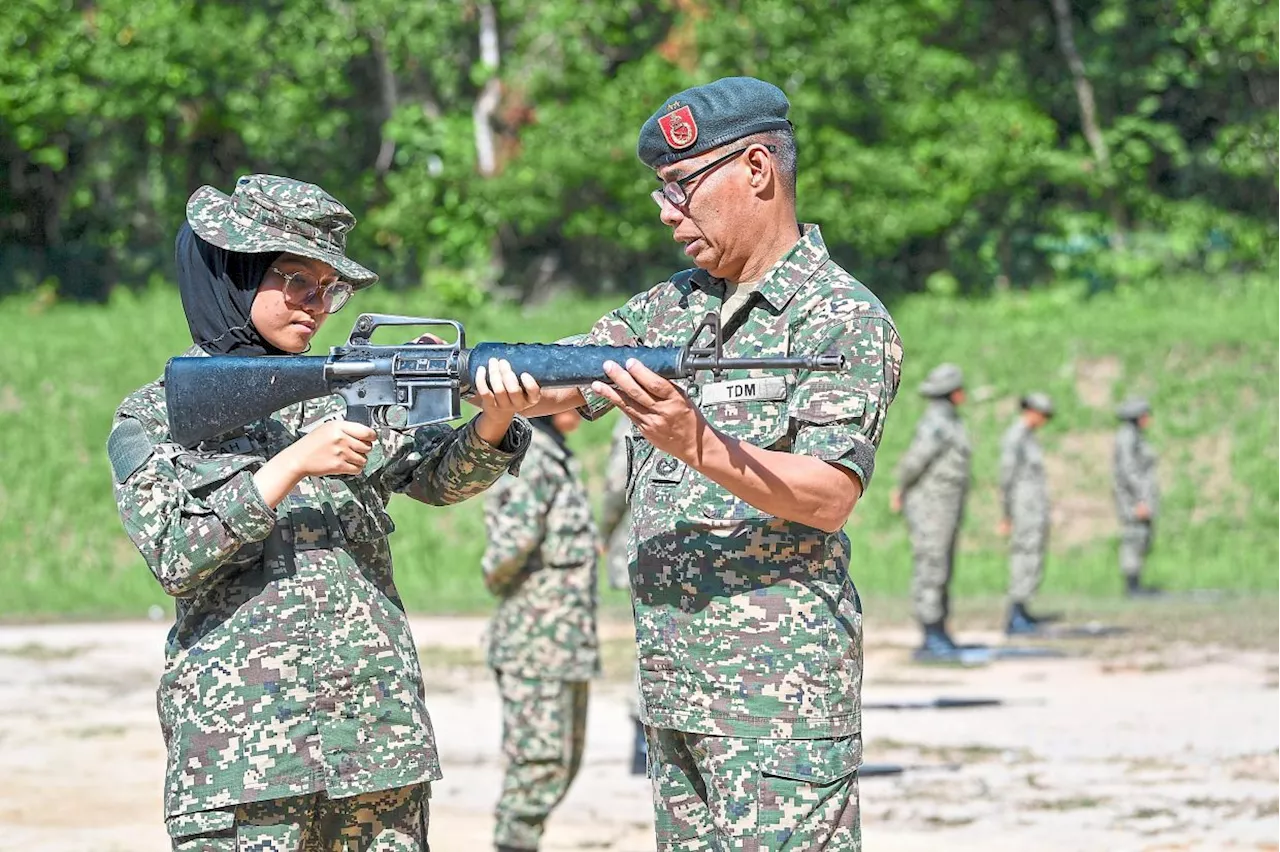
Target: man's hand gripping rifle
{"type": "Point", "coordinates": [415, 384]}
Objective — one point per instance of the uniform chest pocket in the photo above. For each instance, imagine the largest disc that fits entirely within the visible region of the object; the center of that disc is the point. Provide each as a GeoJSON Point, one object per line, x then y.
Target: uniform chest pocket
{"type": "Point", "coordinates": [762, 423]}
{"type": "Point", "coordinates": [203, 474]}
{"type": "Point", "coordinates": [571, 533]}
{"type": "Point", "coordinates": [360, 511]}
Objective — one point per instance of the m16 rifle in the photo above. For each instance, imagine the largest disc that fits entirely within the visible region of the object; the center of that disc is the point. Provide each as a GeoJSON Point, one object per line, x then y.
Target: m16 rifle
{"type": "Point", "coordinates": [415, 384]}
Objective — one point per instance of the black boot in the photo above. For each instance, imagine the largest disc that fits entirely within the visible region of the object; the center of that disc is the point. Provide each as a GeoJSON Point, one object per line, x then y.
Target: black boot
{"type": "Point", "coordinates": [639, 750]}
{"type": "Point", "coordinates": [1020, 623]}
{"type": "Point", "coordinates": [937, 645]}
{"type": "Point", "coordinates": [1133, 588]}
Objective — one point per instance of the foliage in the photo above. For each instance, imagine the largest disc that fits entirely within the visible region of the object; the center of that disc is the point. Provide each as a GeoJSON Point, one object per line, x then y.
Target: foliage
{"type": "Point", "coordinates": [1204, 350]}
{"type": "Point", "coordinates": [936, 136]}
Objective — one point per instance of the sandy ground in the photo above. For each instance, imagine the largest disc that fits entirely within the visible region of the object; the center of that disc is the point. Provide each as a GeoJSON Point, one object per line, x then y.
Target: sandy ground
{"type": "Point", "coordinates": [1162, 739]}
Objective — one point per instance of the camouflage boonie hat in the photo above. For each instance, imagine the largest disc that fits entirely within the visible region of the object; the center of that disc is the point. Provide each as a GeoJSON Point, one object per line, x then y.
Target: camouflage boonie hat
{"type": "Point", "coordinates": [1132, 408]}
{"type": "Point", "coordinates": [268, 213]}
{"type": "Point", "coordinates": [1038, 402]}
{"type": "Point", "coordinates": [942, 380]}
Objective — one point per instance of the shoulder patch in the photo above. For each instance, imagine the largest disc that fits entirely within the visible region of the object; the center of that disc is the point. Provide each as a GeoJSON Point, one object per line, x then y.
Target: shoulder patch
{"type": "Point", "coordinates": [128, 447]}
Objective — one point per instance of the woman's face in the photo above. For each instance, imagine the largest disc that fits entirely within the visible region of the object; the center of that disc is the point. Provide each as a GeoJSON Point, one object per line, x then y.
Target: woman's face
{"type": "Point", "coordinates": [285, 322]}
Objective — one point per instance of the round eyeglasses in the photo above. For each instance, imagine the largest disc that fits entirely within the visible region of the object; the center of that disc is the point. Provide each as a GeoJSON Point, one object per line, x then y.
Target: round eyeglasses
{"type": "Point", "coordinates": [301, 290]}
{"type": "Point", "coordinates": [673, 191]}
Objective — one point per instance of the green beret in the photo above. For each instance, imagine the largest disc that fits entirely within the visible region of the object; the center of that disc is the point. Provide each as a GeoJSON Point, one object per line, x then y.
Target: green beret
{"type": "Point", "coordinates": [1132, 408]}
{"type": "Point", "coordinates": [1038, 402]}
{"type": "Point", "coordinates": [705, 117]}
{"type": "Point", "coordinates": [942, 381]}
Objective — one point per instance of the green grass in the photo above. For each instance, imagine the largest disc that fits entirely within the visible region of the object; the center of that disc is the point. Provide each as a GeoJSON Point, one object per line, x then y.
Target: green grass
{"type": "Point", "coordinates": [1204, 351]}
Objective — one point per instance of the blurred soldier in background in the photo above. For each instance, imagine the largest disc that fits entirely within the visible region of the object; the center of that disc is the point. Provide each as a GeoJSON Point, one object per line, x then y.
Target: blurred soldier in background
{"type": "Point", "coordinates": [616, 529]}
{"type": "Point", "coordinates": [541, 563]}
{"type": "Point", "coordinates": [1024, 498]}
{"type": "Point", "coordinates": [933, 481]}
{"type": "Point", "coordinates": [1137, 491]}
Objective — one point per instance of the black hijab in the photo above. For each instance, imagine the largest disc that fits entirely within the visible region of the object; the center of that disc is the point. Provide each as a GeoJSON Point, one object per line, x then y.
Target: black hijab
{"type": "Point", "coordinates": [217, 288]}
{"type": "Point", "coordinates": [546, 424]}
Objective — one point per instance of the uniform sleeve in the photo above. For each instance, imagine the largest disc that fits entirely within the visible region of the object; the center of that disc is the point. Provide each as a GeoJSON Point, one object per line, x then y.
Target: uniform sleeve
{"type": "Point", "coordinates": [1128, 476]}
{"type": "Point", "coordinates": [840, 417]}
{"type": "Point", "coordinates": [1148, 482]}
{"type": "Point", "coordinates": [515, 520]}
{"type": "Point", "coordinates": [441, 465]}
{"type": "Point", "coordinates": [187, 513]}
{"type": "Point", "coordinates": [926, 446]}
{"type": "Point", "coordinates": [1010, 461]}
{"type": "Point", "coordinates": [623, 327]}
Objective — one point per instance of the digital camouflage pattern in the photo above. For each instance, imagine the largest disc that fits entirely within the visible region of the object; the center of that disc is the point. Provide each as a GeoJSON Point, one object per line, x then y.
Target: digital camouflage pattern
{"type": "Point", "coordinates": [616, 526]}
{"type": "Point", "coordinates": [266, 213]}
{"type": "Point", "coordinates": [544, 730]}
{"type": "Point", "coordinates": [765, 796]}
{"type": "Point", "coordinates": [748, 625]}
{"type": "Point", "coordinates": [1136, 483]}
{"type": "Point", "coordinates": [1024, 499]}
{"type": "Point", "coordinates": [540, 560]}
{"type": "Point", "coordinates": [934, 477]}
{"type": "Point", "coordinates": [615, 521]}
{"type": "Point", "coordinates": [385, 821]}
{"type": "Point", "coordinates": [290, 668]}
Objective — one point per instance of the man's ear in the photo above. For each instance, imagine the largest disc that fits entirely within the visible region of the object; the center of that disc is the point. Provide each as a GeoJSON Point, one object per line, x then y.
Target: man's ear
{"type": "Point", "coordinates": [761, 165]}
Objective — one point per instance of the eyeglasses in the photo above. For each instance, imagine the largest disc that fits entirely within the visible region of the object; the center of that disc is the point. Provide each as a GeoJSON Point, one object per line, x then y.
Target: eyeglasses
{"type": "Point", "coordinates": [301, 290]}
{"type": "Point", "coordinates": [674, 192]}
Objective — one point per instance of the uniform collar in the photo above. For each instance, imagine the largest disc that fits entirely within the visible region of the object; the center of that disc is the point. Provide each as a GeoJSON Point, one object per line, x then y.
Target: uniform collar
{"type": "Point", "coordinates": [786, 276]}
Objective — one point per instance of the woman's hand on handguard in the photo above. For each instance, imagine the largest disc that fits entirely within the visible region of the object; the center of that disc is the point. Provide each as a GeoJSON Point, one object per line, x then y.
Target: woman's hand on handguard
{"type": "Point", "coordinates": [501, 395]}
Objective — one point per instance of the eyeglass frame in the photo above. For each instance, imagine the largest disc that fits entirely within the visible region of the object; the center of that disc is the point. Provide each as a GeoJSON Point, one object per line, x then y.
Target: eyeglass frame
{"type": "Point", "coordinates": [320, 291]}
{"type": "Point", "coordinates": [669, 187]}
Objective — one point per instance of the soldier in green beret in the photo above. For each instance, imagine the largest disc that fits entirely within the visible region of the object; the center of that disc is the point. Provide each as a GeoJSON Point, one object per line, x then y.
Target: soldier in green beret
{"type": "Point", "coordinates": [748, 626]}
{"type": "Point", "coordinates": [292, 701]}
{"type": "Point", "coordinates": [1137, 492]}
{"type": "Point", "coordinates": [1024, 499]}
{"type": "Point", "coordinates": [933, 483]}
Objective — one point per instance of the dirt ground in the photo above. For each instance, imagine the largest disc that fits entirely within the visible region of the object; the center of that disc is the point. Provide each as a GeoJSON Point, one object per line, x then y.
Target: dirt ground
{"type": "Point", "coordinates": [1164, 737]}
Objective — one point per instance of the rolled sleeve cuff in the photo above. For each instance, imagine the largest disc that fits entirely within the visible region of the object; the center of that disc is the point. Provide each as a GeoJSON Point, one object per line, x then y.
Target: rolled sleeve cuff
{"type": "Point", "coordinates": [595, 407]}
{"type": "Point", "coordinates": [839, 446]}
{"type": "Point", "coordinates": [241, 507]}
{"type": "Point", "coordinates": [506, 456]}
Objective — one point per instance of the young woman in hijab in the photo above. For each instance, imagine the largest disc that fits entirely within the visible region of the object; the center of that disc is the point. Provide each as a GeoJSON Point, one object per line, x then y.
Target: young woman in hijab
{"type": "Point", "coordinates": [292, 698]}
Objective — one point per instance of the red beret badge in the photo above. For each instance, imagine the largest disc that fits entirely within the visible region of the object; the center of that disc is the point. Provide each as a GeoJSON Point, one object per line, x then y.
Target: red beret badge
{"type": "Point", "coordinates": [679, 128]}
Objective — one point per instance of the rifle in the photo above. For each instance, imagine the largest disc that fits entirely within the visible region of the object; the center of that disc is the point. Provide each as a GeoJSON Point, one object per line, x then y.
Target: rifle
{"type": "Point", "coordinates": [415, 384]}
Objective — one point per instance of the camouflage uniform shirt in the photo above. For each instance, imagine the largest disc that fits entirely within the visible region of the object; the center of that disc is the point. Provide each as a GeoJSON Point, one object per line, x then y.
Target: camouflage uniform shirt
{"type": "Point", "coordinates": [1024, 487]}
{"type": "Point", "coordinates": [290, 668]}
{"type": "Point", "coordinates": [541, 562]}
{"type": "Point", "coordinates": [1136, 479]}
{"type": "Point", "coordinates": [748, 625]}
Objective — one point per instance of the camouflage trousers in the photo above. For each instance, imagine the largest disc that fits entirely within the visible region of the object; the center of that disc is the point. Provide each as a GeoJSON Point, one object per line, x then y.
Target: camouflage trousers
{"type": "Point", "coordinates": [751, 795]}
{"type": "Point", "coordinates": [933, 551]}
{"type": "Point", "coordinates": [1135, 544]}
{"type": "Point", "coordinates": [386, 821]}
{"type": "Point", "coordinates": [1027, 544]}
{"type": "Point", "coordinates": [544, 726]}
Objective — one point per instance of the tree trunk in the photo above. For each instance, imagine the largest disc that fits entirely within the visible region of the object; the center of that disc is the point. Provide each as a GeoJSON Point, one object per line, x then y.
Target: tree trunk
{"type": "Point", "coordinates": [1088, 111]}
{"type": "Point", "coordinates": [390, 99]}
{"type": "Point", "coordinates": [487, 104]}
